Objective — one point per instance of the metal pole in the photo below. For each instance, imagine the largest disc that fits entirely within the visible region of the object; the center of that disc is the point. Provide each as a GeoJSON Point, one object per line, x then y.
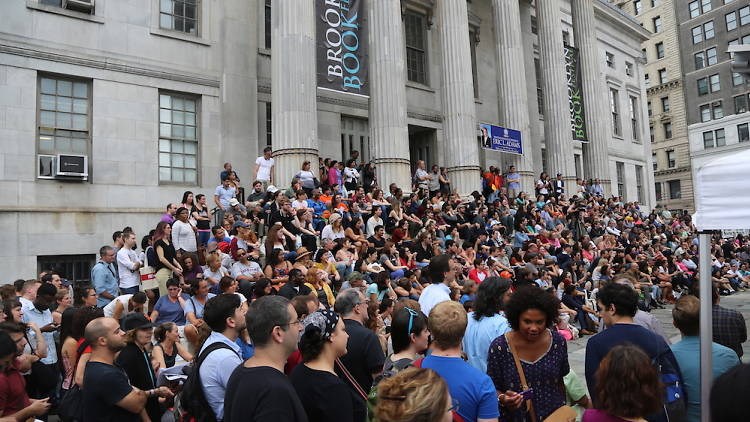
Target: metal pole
{"type": "Point", "coordinates": [706, 328]}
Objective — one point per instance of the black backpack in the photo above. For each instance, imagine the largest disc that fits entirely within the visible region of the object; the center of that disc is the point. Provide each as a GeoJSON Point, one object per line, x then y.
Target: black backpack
{"type": "Point", "coordinates": [191, 404]}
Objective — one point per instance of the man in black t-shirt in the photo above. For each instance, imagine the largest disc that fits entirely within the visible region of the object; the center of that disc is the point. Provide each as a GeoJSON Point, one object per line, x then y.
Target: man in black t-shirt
{"type": "Point", "coordinates": [109, 396]}
{"type": "Point", "coordinates": [377, 240]}
{"type": "Point", "coordinates": [273, 325]}
{"type": "Point", "coordinates": [296, 285]}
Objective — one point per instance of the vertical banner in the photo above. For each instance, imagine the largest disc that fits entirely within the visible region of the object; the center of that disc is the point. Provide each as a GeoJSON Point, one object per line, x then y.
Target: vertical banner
{"type": "Point", "coordinates": [500, 139]}
{"type": "Point", "coordinates": [575, 94]}
{"type": "Point", "coordinates": [341, 38]}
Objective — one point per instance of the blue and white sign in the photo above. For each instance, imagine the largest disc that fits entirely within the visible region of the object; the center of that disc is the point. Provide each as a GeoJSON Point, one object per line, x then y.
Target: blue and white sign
{"type": "Point", "coordinates": [500, 139]}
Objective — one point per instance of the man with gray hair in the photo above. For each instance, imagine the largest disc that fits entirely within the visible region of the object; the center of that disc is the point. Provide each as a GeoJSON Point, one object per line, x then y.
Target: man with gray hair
{"type": "Point", "coordinates": [364, 357]}
{"type": "Point", "coordinates": [104, 277]}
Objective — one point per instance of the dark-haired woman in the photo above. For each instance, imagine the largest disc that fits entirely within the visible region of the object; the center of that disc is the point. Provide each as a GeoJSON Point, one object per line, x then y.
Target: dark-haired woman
{"type": "Point", "coordinates": [168, 346]}
{"type": "Point", "coordinates": [487, 322]}
{"type": "Point", "coordinates": [628, 387]}
{"type": "Point", "coordinates": [542, 352]}
{"type": "Point", "coordinates": [277, 269]}
{"type": "Point", "coordinates": [409, 337]}
{"type": "Point", "coordinates": [323, 341]}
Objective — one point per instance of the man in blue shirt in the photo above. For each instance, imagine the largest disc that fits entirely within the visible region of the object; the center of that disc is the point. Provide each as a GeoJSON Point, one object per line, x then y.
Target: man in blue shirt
{"type": "Point", "coordinates": [41, 315]}
{"type": "Point", "coordinates": [472, 388]}
{"type": "Point", "coordinates": [687, 352]}
{"type": "Point", "coordinates": [225, 315]}
{"type": "Point", "coordinates": [104, 277]}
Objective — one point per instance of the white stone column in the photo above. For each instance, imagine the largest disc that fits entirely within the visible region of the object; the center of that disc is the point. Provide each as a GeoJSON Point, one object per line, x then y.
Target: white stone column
{"type": "Point", "coordinates": [557, 131]}
{"type": "Point", "coordinates": [459, 113]}
{"type": "Point", "coordinates": [293, 88]}
{"type": "Point", "coordinates": [512, 94]}
{"type": "Point", "coordinates": [389, 133]}
{"type": "Point", "coordinates": [595, 156]}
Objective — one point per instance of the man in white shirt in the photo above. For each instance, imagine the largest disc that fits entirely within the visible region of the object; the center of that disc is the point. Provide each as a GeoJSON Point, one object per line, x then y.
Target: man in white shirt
{"type": "Point", "coordinates": [128, 265]}
{"type": "Point", "coordinates": [441, 276]}
{"type": "Point", "coordinates": [264, 168]}
{"type": "Point", "coordinates": [421, 177]}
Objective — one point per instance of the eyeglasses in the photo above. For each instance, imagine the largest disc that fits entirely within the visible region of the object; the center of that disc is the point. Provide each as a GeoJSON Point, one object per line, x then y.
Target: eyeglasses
{"type": "Point", "coordinates": [412, 314]}
{"type": "Point", "coordinates": [454, 405]}
{"type": "Point", "coordinates": [297, 322]}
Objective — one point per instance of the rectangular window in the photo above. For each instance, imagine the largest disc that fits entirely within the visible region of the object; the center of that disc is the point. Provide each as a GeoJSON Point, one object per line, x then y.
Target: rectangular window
{"type": "Point", "coordinates": [539, 91]}
{"type": "Point", "coordinates": [179, 15]}
{"type": "Point", "coordinates": [746, 39]}
{"type": "Point", "coordinates": [629, 69]}
{"type": "Point", "coordinates": [355, 136]}
{"type": "Point", "coordinates": [744, 15]}
{"type": "Point", "coordinates": [660, 50]}
{"type": "Point", "coordinates": [674, 189]}
{"type": "Point", "coordinates": [416, 47]}
{"type": "Point", "coordinates": [705, 113]}
{"type": "Point", "coordinates": [639, 182]}
{"type": "Point", "coordinates": [715, 83]}
{"type": "Point", "coordinates": [74, 268]}
{"type": "Point", "coordinates": [269, 125]}
{"type": "Point", "coordinates": [708, 30]}
{"type": "Point", "coordinates": [663, 78]}
{"type": "Point", "coordinates": [657, 24]}
{"type": "Point", "coordinates": [646, 80]}
{"type": "Point", "coordinates": [649, 108]}
{"type": "Point", "coordinates": [697, 34]}
{"type": "Point", "coordinates": [743, 132]}
{"type": "Point", "coordinates": [711, 56]}
{"type": "Point", "coordinates": [720, 138]}
{"type": "Point", "coordinates": [621, 180]}
{"type": "Point", "coordinates": [667, 130]}
{"type": "Point", "coordinates": [473, 50]}
{"type": "Point", "coordinates": [64, 110]}
{"type": "Point", "coordinates": [705, 5]}
{"type": "Point", "coordinates": [731, 20]}
{"type": "Point", "coordinates": [610, 59]}
{"type": "Point", "coordinates": [695, 9]}
{"type": "Point", "coordinates": [637, 6]}
{"type": "Point", "coordinates": [708, 140]}
{"type": "Point", "coordinates": [740, 104]}
{"type": "Point", "coordinates": [717, 109]}
{"type": "Point", "coordinates": [654, 161]}
{"type": "Point", "coordinates": [633, 108]}
{"type": "Point", "coordinates": [702, 86]}
{"type": "Point", "coordinates": [651, 133]}
{"type": "Point", "coordinates": [614, 103]}
{"type": "Point", "coordinates": [700, 60]}
{"type": "Point", "coordinates": [267, 23]}
{"type": "Point", "coordinates": [657, 190]}
{"type": "Point", "coordinates": [737, 79]}
{"type": "Point", "coordinates": [178, 138]}
{"type": "Point", "coordinates": [665, 104]}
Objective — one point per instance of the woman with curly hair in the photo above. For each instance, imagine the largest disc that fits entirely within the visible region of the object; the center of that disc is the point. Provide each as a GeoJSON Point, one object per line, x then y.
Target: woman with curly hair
{"type": "Point", "coordinates": [627, 385]}
{"type": "Point", "coordinates": [322, 342]}
{"type": "Point", "coordinates": [542, 352]}
{"type": "Point", "coordinates": [414, 395]}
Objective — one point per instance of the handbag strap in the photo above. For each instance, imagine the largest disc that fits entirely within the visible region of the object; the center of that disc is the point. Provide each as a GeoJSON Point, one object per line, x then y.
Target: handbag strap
{"type": "Point", "coordinates": [351, 379]}
{"type": "Point", "coordinates": [522, 376]}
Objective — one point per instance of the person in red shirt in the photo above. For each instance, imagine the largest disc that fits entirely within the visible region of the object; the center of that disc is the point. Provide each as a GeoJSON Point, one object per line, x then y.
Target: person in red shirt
{"type": "Point", "coordinates": [13, 397]}
{"type": "Point", "coordinates": [479, 272]}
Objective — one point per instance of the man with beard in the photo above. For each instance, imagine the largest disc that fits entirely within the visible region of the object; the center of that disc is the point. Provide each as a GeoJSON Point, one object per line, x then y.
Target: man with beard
{"type": "Point", "coordinates": [296, 285]}
{"type": "Point", "coordinates": [109, 396]}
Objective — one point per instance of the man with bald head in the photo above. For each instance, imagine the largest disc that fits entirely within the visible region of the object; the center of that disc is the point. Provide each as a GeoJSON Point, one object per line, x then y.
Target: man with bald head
{"type": "Point", "coordinates": [109, 396]}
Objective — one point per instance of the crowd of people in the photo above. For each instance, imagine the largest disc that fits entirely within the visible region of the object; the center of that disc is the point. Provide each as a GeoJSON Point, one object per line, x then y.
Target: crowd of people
{"type": "Point", "coordinates": [335, 299]}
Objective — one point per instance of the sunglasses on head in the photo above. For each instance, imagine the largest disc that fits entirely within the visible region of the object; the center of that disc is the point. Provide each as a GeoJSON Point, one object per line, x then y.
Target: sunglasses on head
{"type": "Point", "coordinates": [412, 314]}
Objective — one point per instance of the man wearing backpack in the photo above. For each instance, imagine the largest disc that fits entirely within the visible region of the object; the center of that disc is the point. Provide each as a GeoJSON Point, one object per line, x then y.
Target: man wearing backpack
{"type": "Point", "coordinates": [618, 304]}
{"type": "Point", "coordinates": [225, 315]}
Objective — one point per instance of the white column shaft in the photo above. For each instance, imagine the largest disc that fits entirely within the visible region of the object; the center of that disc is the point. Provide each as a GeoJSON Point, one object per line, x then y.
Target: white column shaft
{"type": "Point", "coordinates": [459, 113]}
{"type": "Point", "coordinates": [293, 88]}
{"type": "Point", "coordinates": [389, 133]}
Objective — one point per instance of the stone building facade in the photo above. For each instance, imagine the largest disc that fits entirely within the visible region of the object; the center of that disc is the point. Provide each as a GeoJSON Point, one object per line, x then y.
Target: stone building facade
{"type": "Point", "coordinates": [158, 94]}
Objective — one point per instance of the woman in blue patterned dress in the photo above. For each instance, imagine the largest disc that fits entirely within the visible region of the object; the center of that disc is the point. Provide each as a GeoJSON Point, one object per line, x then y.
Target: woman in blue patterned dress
{"type": "Point", "coordinates": [543, 354]}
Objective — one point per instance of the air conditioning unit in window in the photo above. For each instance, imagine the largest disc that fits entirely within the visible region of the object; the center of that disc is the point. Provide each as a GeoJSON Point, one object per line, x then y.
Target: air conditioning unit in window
{"type": "Point", "coordinates": [72, 167]}
{"type": "Point", "coordinates": [85, 6]}
{"type": "Point", "coordinates": [47, 166]}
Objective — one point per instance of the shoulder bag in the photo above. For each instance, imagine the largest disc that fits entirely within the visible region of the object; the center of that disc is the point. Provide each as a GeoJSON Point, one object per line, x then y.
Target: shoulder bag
{"type": "Point", "coordinates": [148, 274]}
{"type": "Point", "coordinates": [564, 413]}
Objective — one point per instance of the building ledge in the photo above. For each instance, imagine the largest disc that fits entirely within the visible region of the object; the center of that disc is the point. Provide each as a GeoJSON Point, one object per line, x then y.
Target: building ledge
{"type": "Point", "coordinates": [179, 36]}
{"type": "Point", "coordinates": [663, 87]}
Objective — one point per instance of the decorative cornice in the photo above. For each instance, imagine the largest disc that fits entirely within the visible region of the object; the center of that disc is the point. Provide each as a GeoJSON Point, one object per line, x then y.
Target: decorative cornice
{"type": "Point", "coordinates": [430, 117]}
{"type": "Point", "coordinates": [684, 169]}
{"type": "Point", "coordinates": [105, 63]}
{"type": "Point", "coordinates": [674, 83]}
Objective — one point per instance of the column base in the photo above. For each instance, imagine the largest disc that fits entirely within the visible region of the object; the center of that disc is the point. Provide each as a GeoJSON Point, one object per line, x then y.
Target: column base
{"type": "Point", "coordinates": [393, 170]}
{"type": "Point", "coordinates": [288, 162]}
{"type": "Point", "coordinates": [465, 179]}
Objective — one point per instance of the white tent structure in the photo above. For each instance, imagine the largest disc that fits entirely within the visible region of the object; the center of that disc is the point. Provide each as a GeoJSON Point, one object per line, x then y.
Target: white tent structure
{"type": "Point", "coordinates": [722, 202]}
